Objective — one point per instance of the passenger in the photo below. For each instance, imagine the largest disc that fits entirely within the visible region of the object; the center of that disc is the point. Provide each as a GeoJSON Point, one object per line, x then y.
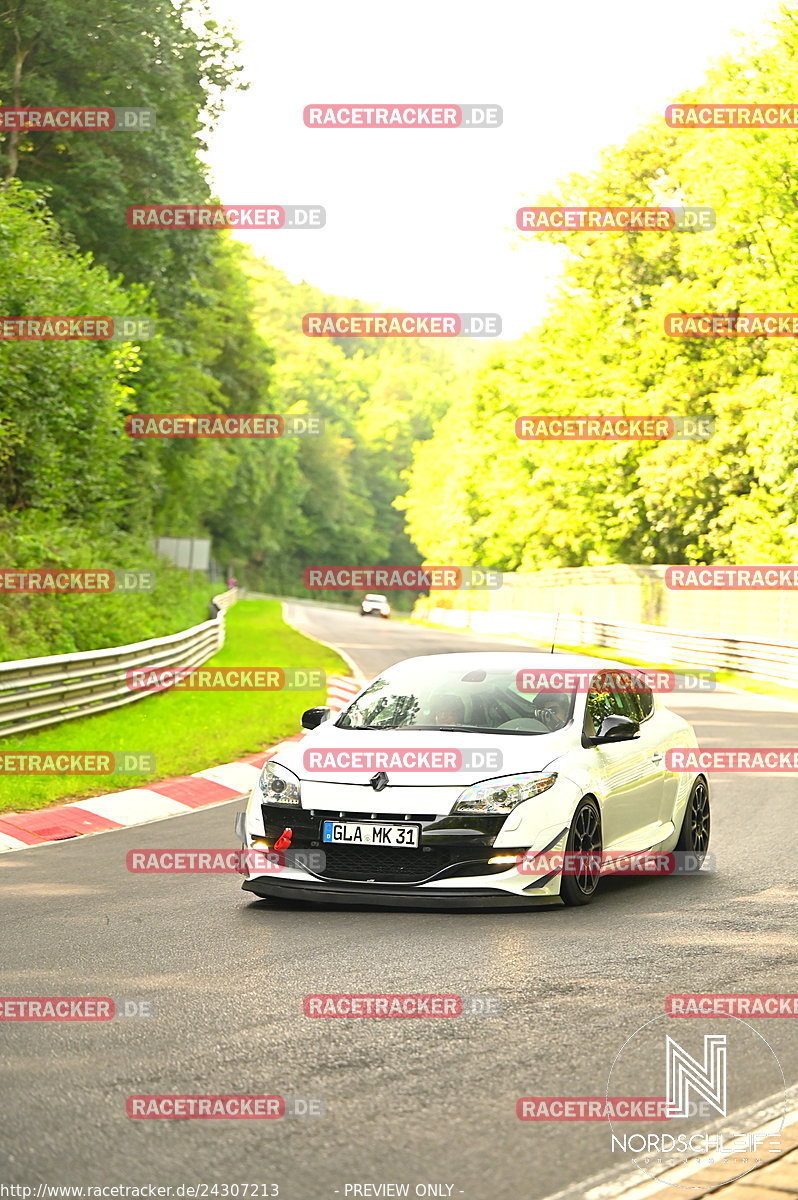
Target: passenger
{"type": "Point", "coordinates": [448, 710]}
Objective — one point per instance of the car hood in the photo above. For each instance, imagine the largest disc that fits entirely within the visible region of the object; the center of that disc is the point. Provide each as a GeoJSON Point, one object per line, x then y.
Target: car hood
{"type": "Point", "coordinates": [416, 790]}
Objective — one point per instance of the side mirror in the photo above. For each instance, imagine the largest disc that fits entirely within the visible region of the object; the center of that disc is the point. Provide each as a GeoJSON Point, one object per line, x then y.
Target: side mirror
{"type": "Point", "coordinates": [616, 729]}
{"type": "Point", "coordinates": [313, 717]}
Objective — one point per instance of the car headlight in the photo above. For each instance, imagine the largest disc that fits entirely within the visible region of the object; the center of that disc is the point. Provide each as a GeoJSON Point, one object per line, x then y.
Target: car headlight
{"type": "Point", "coordinates": [502, 795]}
{"type": "Point", "coordinates": [278, 785]}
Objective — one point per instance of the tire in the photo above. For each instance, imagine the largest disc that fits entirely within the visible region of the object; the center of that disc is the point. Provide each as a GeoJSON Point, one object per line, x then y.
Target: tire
{"type": "Point", "coordinates": [694, 834]}
{"type": "Point", "coordinates": [584, 836]}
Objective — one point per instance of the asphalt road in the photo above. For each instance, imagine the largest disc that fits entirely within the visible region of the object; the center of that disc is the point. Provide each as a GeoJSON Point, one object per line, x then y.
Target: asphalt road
{"type": "Point", "coordinates": [405, 1101]}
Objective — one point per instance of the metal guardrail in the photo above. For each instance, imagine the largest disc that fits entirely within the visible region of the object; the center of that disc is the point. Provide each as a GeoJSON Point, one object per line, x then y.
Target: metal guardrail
{"type": "Point", "coordinates": [36, 692]}
{"type": "Point", "coordinates": [775, 662]}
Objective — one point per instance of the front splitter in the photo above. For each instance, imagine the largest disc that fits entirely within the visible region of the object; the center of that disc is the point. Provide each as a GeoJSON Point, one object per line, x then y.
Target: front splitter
{"type": "Point", "coordinates": [385, 895]}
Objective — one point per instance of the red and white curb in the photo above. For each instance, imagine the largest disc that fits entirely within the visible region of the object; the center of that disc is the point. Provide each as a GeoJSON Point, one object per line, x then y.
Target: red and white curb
{"type": "Point", "coordinates": [169, 798]}
{"type": "Point", "coordinates": [340, 690]}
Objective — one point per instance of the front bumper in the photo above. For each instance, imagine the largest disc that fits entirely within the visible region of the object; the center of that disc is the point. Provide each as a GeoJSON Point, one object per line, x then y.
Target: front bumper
{"type": "Point", "coordinates": [450, 868]}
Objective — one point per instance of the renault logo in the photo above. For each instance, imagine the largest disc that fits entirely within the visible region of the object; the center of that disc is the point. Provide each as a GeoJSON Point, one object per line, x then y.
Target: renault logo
{"type": "Point", "coordinates": [379, 781]}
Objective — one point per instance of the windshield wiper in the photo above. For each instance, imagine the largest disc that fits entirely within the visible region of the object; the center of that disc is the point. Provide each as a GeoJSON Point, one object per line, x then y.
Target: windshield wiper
{"type": "Point", "coordinates": [367, 728]}
{"type": "Point", "coordinates": [448, 728]}
{"type": "Point", "coordinates": [439, 729]}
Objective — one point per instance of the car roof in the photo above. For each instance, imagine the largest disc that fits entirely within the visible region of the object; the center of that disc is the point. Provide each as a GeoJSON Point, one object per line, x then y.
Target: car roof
{"type": "Point", "coordinates": [374, 596]}
{"type": "Point", "coordinates": [512, 660]}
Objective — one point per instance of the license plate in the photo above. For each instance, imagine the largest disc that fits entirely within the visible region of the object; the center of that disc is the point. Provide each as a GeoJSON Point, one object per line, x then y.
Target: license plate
{"type": "Point", "coordinates": [369, 833]}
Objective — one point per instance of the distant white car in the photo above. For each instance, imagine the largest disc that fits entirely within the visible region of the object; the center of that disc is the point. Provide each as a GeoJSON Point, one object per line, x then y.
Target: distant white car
{"type": "Point", "coordinates": [530, 773]}
{"type": "Point", "coordinates": [374, 605]}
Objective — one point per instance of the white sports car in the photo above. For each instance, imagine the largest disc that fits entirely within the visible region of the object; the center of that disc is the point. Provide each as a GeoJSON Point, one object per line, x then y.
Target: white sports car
{"type": "Point", "coordinates": [375, 604]}
{"type": "Point", "coordinates": [456, 780]}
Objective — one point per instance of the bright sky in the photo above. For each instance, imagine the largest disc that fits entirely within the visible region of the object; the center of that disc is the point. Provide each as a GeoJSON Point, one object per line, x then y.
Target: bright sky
{"type": "Point", "coordinates": [423, 220]}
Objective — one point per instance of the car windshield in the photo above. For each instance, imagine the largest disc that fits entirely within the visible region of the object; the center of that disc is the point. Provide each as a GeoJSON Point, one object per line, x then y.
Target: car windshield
{"type": "Point", "coordinates": [445, 697]}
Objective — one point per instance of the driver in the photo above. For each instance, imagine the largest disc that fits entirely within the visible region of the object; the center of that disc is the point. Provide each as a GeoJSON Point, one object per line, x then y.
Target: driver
{"type": "Point", "coordinates": [448, 710]}
{"type": "Point", "coordinates": [553, 710]}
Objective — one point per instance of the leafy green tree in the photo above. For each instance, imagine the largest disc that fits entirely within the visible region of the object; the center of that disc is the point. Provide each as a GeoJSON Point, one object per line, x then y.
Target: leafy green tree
{"type": "Point", "coordinates": [166, 55]}
{"type": "Point", "coordinates": [602, 349]}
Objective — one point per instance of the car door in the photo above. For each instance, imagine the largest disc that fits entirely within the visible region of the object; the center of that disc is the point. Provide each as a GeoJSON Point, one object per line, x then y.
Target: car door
{"type": "Point", "coordinates": [653, 745]}
{"type": "Point", "coordinates": [631, 775]}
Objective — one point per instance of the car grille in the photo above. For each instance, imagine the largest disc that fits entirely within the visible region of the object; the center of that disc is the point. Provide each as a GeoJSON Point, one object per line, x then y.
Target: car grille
{"type": "Point", "coordinates": [385, 864]}
{"type": "Point", "coordinates": [389, 864]}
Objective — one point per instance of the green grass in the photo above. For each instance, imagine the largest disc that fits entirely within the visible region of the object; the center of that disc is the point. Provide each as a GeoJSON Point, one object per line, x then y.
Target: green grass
{"type": "Point", "coordinates": [735, 679]}
{"type": "Point", "coordinates": [186, 731]}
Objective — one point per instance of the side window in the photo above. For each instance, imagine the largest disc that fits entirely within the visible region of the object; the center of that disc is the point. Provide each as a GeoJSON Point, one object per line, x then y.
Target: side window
{"type": "Point", "coordinates": [645, 697]}
{"type": "Point", "coordinates": [604, 699]}
{"type": "Point", "coordinates": [630, 695]}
